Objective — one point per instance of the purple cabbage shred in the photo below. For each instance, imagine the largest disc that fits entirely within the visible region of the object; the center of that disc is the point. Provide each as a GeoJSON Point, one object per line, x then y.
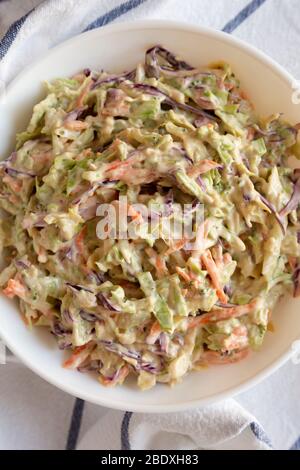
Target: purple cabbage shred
{"type": "Point", "coordinates": [90, 317]}
{"type": "Point", "coordinates": [114, 79]}
{"type": "Point", "coordinates": [296, 281]}
{"type": "Point", "coordinates": [106, 303]}
{"type": "Point", "coordinates": [274, 211]}
{"type": "Point", "coordinates": [294, 201]}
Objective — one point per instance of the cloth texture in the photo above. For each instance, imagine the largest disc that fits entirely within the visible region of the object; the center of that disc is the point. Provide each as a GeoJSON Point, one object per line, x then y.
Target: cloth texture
{"type": "Point", "coordinates": [34, 414]}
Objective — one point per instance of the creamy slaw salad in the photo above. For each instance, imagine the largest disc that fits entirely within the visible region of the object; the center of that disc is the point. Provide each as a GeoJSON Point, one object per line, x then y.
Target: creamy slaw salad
{"type": "Point", "coordinates": [164, 135]}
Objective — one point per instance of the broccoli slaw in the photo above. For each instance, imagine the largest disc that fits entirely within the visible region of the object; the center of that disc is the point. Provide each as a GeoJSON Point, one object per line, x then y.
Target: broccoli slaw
{"type": "Point", "coordinates": [165, 135]}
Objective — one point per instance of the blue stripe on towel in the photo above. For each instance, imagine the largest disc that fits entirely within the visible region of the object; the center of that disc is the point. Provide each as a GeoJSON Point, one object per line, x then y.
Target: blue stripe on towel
{"type": "Point", "coordinates": [11, 35]}
{"type": "Point", "coordinates": [115, 13]}
{"type": "Point", "coordinates": [296, 445]}
{"type": "Point", "coordinates": [75, 424]}
{"type": "Point", "coordinates": [125, 442]}
{"type": "Point", "coordinates": [260, 434]}
{"type": "Point", "coordinates": [242, 15]}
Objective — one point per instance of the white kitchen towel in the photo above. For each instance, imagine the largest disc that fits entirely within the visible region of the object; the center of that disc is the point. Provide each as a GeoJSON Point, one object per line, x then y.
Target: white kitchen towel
{"type": "Point", "coordinates": [271, 25]}
{"type": "Point", "coordinates": [29, 404]}
{"type": "Point", "coordinates": [225, 426]}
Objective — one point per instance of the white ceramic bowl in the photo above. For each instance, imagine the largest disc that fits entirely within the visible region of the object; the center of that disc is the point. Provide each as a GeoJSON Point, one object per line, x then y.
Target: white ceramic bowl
{"type": "Point", "coordinates": [117, 48]}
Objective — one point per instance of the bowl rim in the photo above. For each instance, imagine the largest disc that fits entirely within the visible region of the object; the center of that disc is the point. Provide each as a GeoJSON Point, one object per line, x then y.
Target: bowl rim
{"type": "Point", "coordinates": [266, 371]}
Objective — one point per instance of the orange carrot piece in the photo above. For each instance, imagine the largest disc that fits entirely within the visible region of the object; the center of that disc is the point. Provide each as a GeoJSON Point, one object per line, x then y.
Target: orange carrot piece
{"type": "Point", "coordinates": [228, 86]}
{"type": "Point", "coordinates": [124, 163]}
{"type": "Point", "coordinates": [222, 314]}
{"type": "Point", "coordinates": [79, 240]}
{"type": "Point", "coordinates": [292, 262]}
{"type": "Point", "coordinates": [132, 175]}
{"type": "Point", "coordinates": [118, 164]}
{"type": "Point", "coordinates": [119, 379]}
{"type": "Point", "coordinates": [135, 215]}
{"type": "Point", "coordinates": [160, 267]}
{"type": "Point", "coordinates": [79, 355]}
{"type": "Point", "coordinates": [183, 274]}
{"type": "Point", "coordinates": [76, 125]}
{"type": "Point", "coordinates": [212, 270]}
{"type": "Point", "coordinates": [238, 339]}
{"type": "Point", "coordinates": [215, 358]}
{"type": "Point", "coordinates": [14, 184]}
{"type": "Point", "coordinates": [160, 264]}
{"type": "Point", "coordinates": [188, 277]}
{"type": "Point", "coordinates": [154, 333]}
{"type": "Point", "coordinates": [250, 133]}
{"type": "Point", "coordinates": [176, 247]}
{"type": "Point", "coordinates": [13, 199]}
{"type": "Point", "coordinates": [227, 258]}
{"type": "Point", "coordinates": [14, 287]}
{"type": "Point", "coordinates": [155, 328]}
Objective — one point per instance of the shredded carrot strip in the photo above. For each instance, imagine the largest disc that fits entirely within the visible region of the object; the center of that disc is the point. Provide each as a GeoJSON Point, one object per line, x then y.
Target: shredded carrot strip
{"type": "Point", "coordinates": [227, 258]}
{"type": "Point", "coordinates": [154, 333]}
{"type": "Point", "coordinates": [76, 125]}
{"type": "Point", "coordinates": [118, 164]}
{"type": "Point", "coordinates": [128, 210]}
{"type": "Point", "coordinates": [188, 277]}
{"type": "Point", "coordinates": [119, 379]}
{"type": "Point", "coordinates": [14, 184]}
{"type": "Point", "coordinates": [250, 133]}
{"type": "Point", "coordinates": [79, 355]}
{"type": "Point", "coordinates": [183, 274]}
{"type": "Point", "coordinates": [123, 163]}
{"type": "Point", "coordinates": [160, 267]}
{"type": "Point", "coordinates": [79, 240]}
{"type": "Point", "coordinates": [176, 247]}
{"type": "Point", "coordinates": [13, 199]}
{"type": "Point", "coordinates": [155, 328]}
{"type": "Point", "coordinates": [292, 262]}
{"type": "Point", "coordinates": [160, 264]}
{"type": "Point", "coordinates": [133, 176]}
{"type": "Point", "coordinates": [238, 339]}
{"type": "Point", "coordinates": [14, 287]}
{"type": "Point", "coordinates": [213, 357]}
{"type": "Point", "coordinates": [135, 215]}
{"type": "Point", "coordinates": [212, 270]}
{"type": "Point", "coordinates": [222, 314]}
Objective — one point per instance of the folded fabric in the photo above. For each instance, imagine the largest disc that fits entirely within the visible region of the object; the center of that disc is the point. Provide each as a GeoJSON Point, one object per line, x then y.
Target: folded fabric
{"type": "Point", "coordinates": [225, 425]}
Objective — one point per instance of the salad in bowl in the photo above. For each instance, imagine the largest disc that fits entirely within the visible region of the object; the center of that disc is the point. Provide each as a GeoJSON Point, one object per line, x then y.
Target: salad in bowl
{"type": "Point", "coordinates": [157, 145]}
